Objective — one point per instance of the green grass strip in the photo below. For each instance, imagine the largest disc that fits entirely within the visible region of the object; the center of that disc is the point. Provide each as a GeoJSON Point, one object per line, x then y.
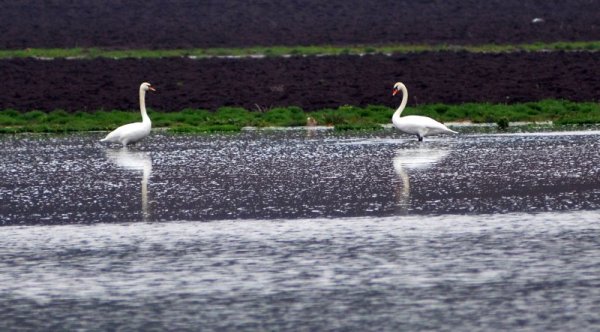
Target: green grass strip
{"type": "Point", "coordinates": [278, 51]}
{"type": "Point", "coordinates": [232, 119]}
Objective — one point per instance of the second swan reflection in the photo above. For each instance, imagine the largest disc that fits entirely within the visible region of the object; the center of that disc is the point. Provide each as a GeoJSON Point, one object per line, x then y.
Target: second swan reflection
{"type": "Point", "coordinates": [138, 161]}
{"type": "Point", "coordinates": [407, 161]}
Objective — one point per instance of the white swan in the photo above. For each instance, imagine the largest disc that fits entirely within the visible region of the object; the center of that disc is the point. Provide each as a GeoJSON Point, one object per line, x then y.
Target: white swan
{"type": "Point", "coordinates": [133, 132]}
{"type": "Point", "coordinates": [415, 124]}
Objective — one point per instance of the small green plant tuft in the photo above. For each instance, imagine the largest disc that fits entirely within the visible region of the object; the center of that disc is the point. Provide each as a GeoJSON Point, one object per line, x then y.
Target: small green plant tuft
{"type": "Point", "coordinates": [502, 124]}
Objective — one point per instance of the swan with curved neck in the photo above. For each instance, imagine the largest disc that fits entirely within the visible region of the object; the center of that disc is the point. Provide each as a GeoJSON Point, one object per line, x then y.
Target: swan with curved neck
{"type": "Point", "coordinates": [133, 132]}
{"type": "Point", "coordinates": [415, 124]}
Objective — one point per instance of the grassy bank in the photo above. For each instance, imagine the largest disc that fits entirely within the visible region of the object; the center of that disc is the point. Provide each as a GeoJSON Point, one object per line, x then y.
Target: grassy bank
{"type": "Point", "coordinates": [91, 53]}
{"type": "Point", "coordinates": [229, 119]}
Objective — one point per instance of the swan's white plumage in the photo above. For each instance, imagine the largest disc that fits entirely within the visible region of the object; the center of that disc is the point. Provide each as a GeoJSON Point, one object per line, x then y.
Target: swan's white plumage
{"type": "Point", "coordinates": [133, 132]}
{"type": "Point", "coordinates": [415, 124]}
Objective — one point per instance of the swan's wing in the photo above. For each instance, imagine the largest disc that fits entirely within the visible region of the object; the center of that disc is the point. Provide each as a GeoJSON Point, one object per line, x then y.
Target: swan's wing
{"type": "Point", "coordinates": [425, 125]}
{"type": "Point", "coordinates": [131, 132]}
{"type": "Point", "coordinates": [115, 135]}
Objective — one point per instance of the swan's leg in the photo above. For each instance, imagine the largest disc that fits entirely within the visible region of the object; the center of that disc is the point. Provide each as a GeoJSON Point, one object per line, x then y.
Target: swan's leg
{"type": "Point", "coordinates": [420, 138]}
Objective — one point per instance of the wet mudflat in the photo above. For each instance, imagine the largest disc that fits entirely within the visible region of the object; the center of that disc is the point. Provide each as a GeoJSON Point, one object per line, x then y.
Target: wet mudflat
{"type": "Point", "coordinates": [301, 230]}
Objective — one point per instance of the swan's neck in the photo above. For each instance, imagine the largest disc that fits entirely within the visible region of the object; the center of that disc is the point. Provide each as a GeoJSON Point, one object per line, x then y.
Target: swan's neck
{"type": "Point", "coordinates": [400, 108]}
{"type": "Point", "coordinates": [145, 117]}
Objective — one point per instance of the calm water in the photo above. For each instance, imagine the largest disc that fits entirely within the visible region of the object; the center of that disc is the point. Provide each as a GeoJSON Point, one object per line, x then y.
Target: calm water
{"type": "Point", "coordinates": [301, 231]}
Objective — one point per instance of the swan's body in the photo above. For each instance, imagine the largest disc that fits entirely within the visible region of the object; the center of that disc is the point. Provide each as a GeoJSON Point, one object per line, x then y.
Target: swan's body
{"type": "Point", "coordinates": [133, 132]}
{"type": "Point", "coordinates": [415, 124]}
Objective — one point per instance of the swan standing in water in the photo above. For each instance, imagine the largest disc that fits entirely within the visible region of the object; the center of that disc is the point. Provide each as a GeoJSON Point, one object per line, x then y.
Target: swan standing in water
{"type": "Point", "coordinates": [415, 124]}
{"type": "Point", "coordinates": [133, 132]}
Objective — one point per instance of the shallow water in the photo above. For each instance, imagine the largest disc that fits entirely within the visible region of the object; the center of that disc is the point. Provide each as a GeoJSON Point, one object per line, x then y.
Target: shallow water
{"type": "Point", "coordinates": [301, 231]}
{"type": "Point", "coordinates": [257, 175]}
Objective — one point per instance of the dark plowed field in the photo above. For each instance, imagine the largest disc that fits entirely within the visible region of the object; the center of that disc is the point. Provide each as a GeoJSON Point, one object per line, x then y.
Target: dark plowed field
{"type": "Point", "coordinates": [311, 83]}
{"type": "Point", "coordinates": [177, 24]}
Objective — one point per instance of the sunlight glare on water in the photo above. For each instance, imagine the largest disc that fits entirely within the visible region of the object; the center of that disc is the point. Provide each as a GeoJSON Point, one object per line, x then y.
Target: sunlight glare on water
{"type": "Point", "coordinates": [289, 174]}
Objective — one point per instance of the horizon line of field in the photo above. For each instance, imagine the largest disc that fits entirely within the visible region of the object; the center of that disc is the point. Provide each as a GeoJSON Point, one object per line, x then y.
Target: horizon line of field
{"type": "Point", "coordinates": [291, 51]}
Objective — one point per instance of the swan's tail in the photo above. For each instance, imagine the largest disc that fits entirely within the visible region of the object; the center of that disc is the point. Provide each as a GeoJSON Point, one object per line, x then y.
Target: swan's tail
{"type": "Point", "coordinates": [111, 137]}
{"type": "Point", "coordinates": [447, 130]}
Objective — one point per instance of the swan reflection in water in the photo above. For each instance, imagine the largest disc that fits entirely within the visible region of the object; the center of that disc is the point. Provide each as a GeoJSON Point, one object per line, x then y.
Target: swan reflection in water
{"type": "Point", "coordinates": [411, 160]}
{"type": "Point", "coordinates": [135, 161]}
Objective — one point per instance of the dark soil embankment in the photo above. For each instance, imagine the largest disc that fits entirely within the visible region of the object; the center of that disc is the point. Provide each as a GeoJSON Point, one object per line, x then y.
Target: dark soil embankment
{"type": "Point", "coordinates": [311, 82]}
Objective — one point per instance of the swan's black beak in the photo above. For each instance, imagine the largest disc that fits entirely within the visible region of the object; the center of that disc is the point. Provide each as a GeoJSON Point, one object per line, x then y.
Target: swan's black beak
{"type": "Point", "coordinates": [394, 92]}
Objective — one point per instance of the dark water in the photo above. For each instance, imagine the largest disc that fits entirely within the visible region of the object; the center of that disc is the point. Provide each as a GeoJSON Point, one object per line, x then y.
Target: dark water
{"type": "Point", "coordinates": [284, 231]}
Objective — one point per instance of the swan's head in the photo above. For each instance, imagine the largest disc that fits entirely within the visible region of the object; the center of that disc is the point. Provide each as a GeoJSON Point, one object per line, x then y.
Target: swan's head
{"type": "Point", "coordinates": [146, 86]}
{"type": "Point", "coordinates": [397, 87]}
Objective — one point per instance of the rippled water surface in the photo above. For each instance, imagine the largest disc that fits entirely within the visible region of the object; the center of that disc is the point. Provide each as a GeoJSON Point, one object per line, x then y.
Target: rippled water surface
{"type": "Point", "coordinates": [301, 231]}
{"type": "Point", "coordinates": [256, 175]}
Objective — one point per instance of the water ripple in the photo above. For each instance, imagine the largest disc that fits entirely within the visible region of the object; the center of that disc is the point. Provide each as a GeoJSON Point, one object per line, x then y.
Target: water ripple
{"type": "Point", "coordinates": [500, 272]}
{"type": "Point", "coordinates": [289, 174]}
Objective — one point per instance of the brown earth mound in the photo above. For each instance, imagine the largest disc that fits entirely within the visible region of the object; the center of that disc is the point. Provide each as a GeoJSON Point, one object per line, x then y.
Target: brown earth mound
{"type": "Point", "coordinates": [181, 24]}
{"type": "Point", "coordinates": [309, 82]}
